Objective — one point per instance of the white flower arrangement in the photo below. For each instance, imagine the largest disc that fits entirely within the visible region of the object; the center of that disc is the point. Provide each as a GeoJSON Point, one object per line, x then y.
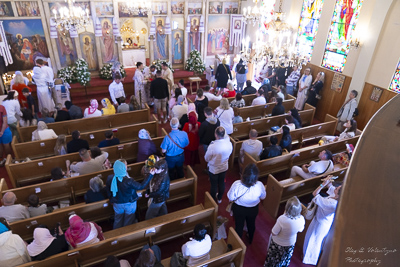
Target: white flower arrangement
{"type": "Point", "coordinates": [195, 63]}
{"type": "Point", "coordinates": [77, 73]}
{"type": "Point", "coordinates": [106, 71]}
{"type": "Point", "coordinates": [158, 63]}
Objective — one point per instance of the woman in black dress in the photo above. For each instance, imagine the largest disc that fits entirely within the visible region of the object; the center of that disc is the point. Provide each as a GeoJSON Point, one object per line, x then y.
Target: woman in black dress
{"type": "Point", "coordinates": [315, 89]}
{"type": "Point", "coordinates": [222, 75]}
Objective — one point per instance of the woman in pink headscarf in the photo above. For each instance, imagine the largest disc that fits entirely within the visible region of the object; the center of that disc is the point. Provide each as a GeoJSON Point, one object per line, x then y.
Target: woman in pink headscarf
{"type": "Point", "coordinates": [92, 110]}
{"type": "Point", "coordinates": [82, 233]}
{"type": "Point", "coordinates": [192, 129]}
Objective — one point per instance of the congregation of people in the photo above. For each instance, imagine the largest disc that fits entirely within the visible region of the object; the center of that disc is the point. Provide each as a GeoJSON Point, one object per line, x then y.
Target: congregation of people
{"type": "Point", "coordinates": [195, 128]}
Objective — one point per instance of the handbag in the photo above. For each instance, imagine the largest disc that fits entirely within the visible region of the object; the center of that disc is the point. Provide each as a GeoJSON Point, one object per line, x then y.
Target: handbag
{"type": "Point", "coordinates": [229, 207]}
{"type": "Point", "coordinates": [309, 212]}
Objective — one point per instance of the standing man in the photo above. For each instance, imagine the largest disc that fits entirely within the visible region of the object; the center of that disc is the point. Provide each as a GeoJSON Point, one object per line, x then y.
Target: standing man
{"type": "Point", "coordinates": [49, 77]}
{"type": "Point", "coordinates": [291, 81]}
{"type": "Point", "coordinates": [168, 76]}
{"type": "Point", "coordinates": [346, 112]}
{"type": "Point", "coordinates": [116, 89]}
{"type": "Point", "coordinates": [217, 156]}
{"type": "Point", "coordinates": [149, 74]}
{"type": "Point", "coordinates": [173, 146]}
{"type": "Point", "coordinates": [181, 85]}
{"type": "Point", "coordinates": [159, 92]}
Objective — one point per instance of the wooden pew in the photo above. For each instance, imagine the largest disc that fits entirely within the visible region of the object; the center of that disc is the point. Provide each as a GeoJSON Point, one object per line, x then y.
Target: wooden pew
{"type": "Point", "coordinates": [73, 187]}
{"type": "Point", "coordinates": [241, 130]}
{"type": "Point", "coordinates": [132, 238]}
{"type": "Point", "coordinates": [38, 170]}
{"type": "Point", "coordinates": [219, 256]}
{"type": "Point", "coordinates": [280, 191]}
{"type": "Point", "coordinates": [45, 148]}
{"type": "Point", "coordinates": [3, 185]}
{"type": "Point", "coordinates": [260, 111]}
{"type": "Point", "coordinates": [315, 131]}
{"type": "Point", "coordinates": [286, 162]}
{"type": "Point", "coordinates": [179, 189]}
{"type": "Point", "coordinates": [247, 99]}
{"type": "Point", "coordinates": [91, 124]}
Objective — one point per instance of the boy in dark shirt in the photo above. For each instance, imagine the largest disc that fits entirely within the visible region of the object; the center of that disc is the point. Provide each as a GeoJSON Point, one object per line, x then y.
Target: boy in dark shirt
{"type": "Point", "coordinates": [76, 143]}
{"type": "Point", "coordinates": [31, 102]}
{"type": "Point", "coordinates": [110, 140]}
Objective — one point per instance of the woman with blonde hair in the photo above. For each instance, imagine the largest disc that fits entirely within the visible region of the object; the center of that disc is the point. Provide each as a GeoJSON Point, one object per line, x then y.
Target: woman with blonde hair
{"type": "Point", "coordinates": [43, 133]}
{"type": "Point", "coordinates": [284, 233]}
{"type": "Point", "coordinates": [231, 90]}
{"type": "Point", "coordinates": [225, 115]}
{"type": "Point", "coordinates": [316, 87]}
{"type": "Point", "coordinates": [108, 108]}
{"type": "Point", "coordinates": [133, 104]}
{"type": "Point", "coordinates": [61, 145]}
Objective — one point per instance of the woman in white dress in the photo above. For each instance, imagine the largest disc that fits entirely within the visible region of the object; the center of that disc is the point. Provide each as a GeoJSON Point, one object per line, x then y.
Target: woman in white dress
{"type": "Point", "coordinates": [43, 93]}
{"type": "Point", "coordinates": [321, 222]}
{"type": "Point", "coordinates": [140, 82]}
{"type": "Point", "coordinates": [225, 115]}
{"type": "Point", "coordinates": [304, 85]}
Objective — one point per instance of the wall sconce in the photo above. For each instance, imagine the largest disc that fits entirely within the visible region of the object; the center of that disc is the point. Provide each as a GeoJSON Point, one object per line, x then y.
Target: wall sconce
{"type": "Point", "coordinates": [355, 43]}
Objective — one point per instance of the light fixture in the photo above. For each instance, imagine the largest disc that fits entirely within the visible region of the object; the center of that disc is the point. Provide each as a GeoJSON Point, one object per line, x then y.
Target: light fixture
{"type": "Point", "coordinates": [259, 13]}
{"type": "Point", "coordinates": [136, 6]}
{"type": "Point", "coordinates": [355, 43]}
{"type": "Point", "coordinates": [71, 17]}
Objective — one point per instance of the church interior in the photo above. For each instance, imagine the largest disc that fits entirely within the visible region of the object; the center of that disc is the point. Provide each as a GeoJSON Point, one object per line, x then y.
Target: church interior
{"type": "Point", "coordinates": [87, 44]}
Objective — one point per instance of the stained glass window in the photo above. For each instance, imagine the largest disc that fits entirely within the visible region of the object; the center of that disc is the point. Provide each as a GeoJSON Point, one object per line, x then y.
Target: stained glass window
{"type": "Point", "coordinates": [343, 23]}
{"type": "Point", "coordinates": [395, 84]}
{"type": "Point", "coordinates": [308, 27]}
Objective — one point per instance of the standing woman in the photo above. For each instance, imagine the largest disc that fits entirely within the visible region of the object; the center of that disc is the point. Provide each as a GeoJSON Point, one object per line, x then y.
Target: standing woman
{"type": "Point", "coordinates": [241, 71]}
{"type": "Point", "coordinates": [316, 87]}
{"type": "Point", "coordinates": [322, 221]}
{"type": "Point", "coordinates": [192, 150]}
{"type": "Point", "coordinates": [13, 109]}
{"type": "Point", "coordinates": [43, 93]}
{"type": "Point", "coordinates": [246, 195]}
{"type": "Point", "coordinates": [140, 82]}
{"type": "Point", "coordinates": [201, 103]}
{"type": "Point", "coordinates": [19, 84]}
{"type": "Point", "coordinates": [346, 112]}
{"type": "Point", "coordinates": [304, 84]}
{"type": "Point", "coordinates": [225, 115]}
{"type": "Point", "coordinates": [158, 191]}
{"type": "Point", "coordinates": [223, 73]}
{"type": "Point", "coordinates": [284, 234]}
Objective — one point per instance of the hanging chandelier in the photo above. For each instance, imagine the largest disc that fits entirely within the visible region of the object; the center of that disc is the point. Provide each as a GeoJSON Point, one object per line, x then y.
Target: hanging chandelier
{"type": "Point", "coordinates": [137, 6]}
{"type": "Point", "coordinates": [71, 17]}
{"type": "Point", "coordinates": [258, 13]}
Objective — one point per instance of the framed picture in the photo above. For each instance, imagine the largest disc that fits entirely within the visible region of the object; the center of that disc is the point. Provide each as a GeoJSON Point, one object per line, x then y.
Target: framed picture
{"type": "Point", "coordinates": [56, 6]}
{"type": "Point", "coordinates": [376, 94]}
{"type": "Point", "coordinates": [215, 8]}
{"type": "Point", "coordinates": [337, 82]}
{"type": "Point", "coordinates": [231, 7]}
{"type": "Point", "coordinates": [159, 8]}
{"type": "Point", "coordinates": [6, 9]}
{"type": "Point", "coordinates": [27, 9]}
{"type": "Point", "coordinates": [104, 8]}
{"type": "Point", "coordinates": [194, 8]}
{"type": "Point", "coordinates": [177, 7]}
{"type": "Point", "coordinates": [124, 11]}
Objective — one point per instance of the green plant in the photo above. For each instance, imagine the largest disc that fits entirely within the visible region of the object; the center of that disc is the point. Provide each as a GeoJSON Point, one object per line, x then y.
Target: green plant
{"type": "Point", "coordinates": [195, 63]}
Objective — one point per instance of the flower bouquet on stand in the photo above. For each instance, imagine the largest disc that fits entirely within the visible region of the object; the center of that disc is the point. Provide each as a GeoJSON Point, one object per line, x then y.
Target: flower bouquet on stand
{"type": "Point", "coordinates": [106, 71]}
{"type": "Point", "coordinates": [67, 74]}
{"type": "Point", "coordinates": [82, 72]}
{"type": "Point", "coordinates": [195, 63]}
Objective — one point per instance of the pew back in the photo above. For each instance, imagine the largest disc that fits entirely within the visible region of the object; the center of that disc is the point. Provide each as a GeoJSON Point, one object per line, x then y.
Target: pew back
{"type": "Point", "coordinates": [247, 99]}
{"type": "Point", "coordinates": [45, 148]}
{"type": "Point", "coordinates": [38, 170]}
{"type": "Point", "coordinates": [260, 111]}
{"type": "Point", "coordinates": [90, 124]}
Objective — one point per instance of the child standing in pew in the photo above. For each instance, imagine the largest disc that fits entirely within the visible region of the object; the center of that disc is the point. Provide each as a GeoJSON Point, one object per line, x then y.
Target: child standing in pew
{"type": "Point", "coordinates": [34, 208]}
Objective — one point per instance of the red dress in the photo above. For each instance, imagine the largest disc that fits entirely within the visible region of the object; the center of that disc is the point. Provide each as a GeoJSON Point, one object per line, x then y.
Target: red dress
{"type": "Point", "coordinates": [192, 150]}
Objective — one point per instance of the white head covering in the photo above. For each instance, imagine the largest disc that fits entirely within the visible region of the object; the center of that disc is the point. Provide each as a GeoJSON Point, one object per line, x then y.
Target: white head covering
{"type": "Point", "coordinates": [144, 134]}
{"type": "Point", "coordinates": [41, 241]}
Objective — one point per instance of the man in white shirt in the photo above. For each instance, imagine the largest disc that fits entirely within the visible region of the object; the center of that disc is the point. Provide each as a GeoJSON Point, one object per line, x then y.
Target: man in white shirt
{"type": "Point", "coordinates": [47, 70]}
{"type": "Point", "coordinates": [325, 165]}
{"type": "Point", "coordinates": [180, 108]}
{"type": "Point", "coordinates": [217, 156]}
{"type": "Point", "coordinates": [13, 212]}
{"type": "Point", "coordinates": [87, 165]}
{"type": "Point", "coordinates": [210, 96]}
{"type": "Point", "coordinates": [252, 146]}
{"type": "Point", "coordinates": [260, 99]}
{"type": "Point", "coordinates": [116, 90]}
{"type": "Point", "coordinates": [183, 88]}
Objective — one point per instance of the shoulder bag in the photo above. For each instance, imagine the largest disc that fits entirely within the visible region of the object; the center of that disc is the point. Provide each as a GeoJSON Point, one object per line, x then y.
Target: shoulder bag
{"type": "Point", "coordinates": [309, 212]}
{"type": "Point", "coordinates": [176, 143]}
{"type": "Point", "coordinates": [227, 73]}
{"type": "Point", "coordinates": [229, 207]}
{"type": "Point", "coordinates": [325, 169]}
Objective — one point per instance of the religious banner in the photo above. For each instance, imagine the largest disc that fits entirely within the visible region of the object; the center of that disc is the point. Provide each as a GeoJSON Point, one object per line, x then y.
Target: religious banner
{"type": "Point", "coordinates": [27, 41]}
{"type": "Point", "coordinates": [337, 82]}
{"type": "Point", "coordinates": [237, 30]}
{"type": "Point", "coordinates": [4, 47]}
